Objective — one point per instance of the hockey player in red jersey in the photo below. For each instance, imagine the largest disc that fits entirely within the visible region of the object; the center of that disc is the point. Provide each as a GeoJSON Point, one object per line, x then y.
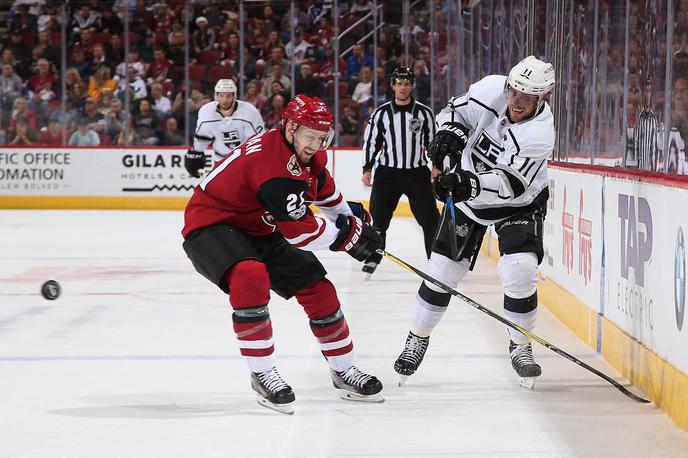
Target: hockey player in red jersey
{"type": "Point", "coordinates": [249, 228]}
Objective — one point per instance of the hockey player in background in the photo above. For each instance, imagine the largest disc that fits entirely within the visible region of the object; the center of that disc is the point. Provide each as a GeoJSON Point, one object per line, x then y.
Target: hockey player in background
{"type": "Point", "coordinates": [226, 123]}
{"type": "Point", "coordinates": [498, 137]}
{"type": "Point", "coordinates": [249, 228]}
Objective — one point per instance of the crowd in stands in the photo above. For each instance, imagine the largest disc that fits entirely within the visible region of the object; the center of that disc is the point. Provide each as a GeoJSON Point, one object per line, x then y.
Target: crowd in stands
{"type": "Point", "coordinates": [99, 73]}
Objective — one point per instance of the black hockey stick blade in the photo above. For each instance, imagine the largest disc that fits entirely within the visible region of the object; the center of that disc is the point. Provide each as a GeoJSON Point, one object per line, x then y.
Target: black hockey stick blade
{"type": "Point", "coordinates": [513, 325]}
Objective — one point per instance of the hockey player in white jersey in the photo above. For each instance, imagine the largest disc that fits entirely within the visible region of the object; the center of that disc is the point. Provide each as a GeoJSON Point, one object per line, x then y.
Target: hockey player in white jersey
{"type": "Point", "coordinates": [226, 123]}
{"type": "Point", "coordinates": [497, 137]}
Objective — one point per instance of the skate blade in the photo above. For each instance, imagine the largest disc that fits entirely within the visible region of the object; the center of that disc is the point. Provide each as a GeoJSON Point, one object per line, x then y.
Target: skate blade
{"type": "Point", "coordinates": [286, 409]}
{"type": "Point", "coordinates": [367, 277]}
{"type": "Point", "coordinates": [527, 382]}
{"type": "Point", "coordinates": [402, 379]}
{"type": "Point", "coordinates": [349, 396]}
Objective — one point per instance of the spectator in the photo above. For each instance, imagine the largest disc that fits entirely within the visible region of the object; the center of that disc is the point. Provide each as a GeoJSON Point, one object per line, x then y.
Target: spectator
{"type": "Point", "coordinates": [100, 82]}
{"type": "Point", "coordinates": [254, 97]}
{"type": "Point", "coordinates": [160, 68]}
{"type": "Point", "coordinates": [296, 51]}
{"type": "Point", "coordinates": [110, 22]}
{"type": "Point", "coordinates": [48, 20]}
{"type": "Point", "coordinates": [324, 69]}
{"type": "Point", "coordinates": [250, 63]}
{"type": "Point", "coordinates": [203, 38]}
{"type": "Point", "coordinates": [146, 48]}
{"type": "Point", "coordinates": [277, 58]}
{"type": "Point", "coordinates": [91, 114]}
{"type": "Point", "coordinates": [273, 41]}
{"type": "Point", "coordinates": [162, 106]}
{"type": "Point", "coordinates": [177, 50]}
{"type": "Point", "coordinates": [20, 109]}
{"type": "Point", "coordinates": [17, 65]}
{"type": "Point", "coordinates": [363, 93]}
{"type": "Point", "coordinates": [277, 89]}
{"type": "Point", "coordinates": [115, 49]}
{"type": "Point", "coordinates": [134, 61]}
{"type": "Point", "coordinates": [23, 135]}
{"type": "Point", "coordinates": [230, 49]}
{"type": "Point", "coordinates": [423, 82]}
{"type": "Point", "coordinates": [103, 105]}
{"type": "Point", "coordinates": [84, 43]}
{"type": "Point", "coordinates": [412, 28]}
{"type": "Point", "coordinates": [270, 20]}
{"type": "Point", "coordinates": [308, 84]}
{"type": "Point", "coordinates": [79, 63]}
{"type": "Point", "coordinates": [48, 49]}
{"type": "Point", "coordinates": [171, 135]}
{"type": "Point", "coordinates": [78, 96]}
{"type": "Point", "coordinates": [100, 60]}
{"type": "Point", "coordinates": [162, 22]}
{"type": "Point", "coordinates": [349, 122]}
{"type": "Point", "coordinates": [356, 61]}
{"type": "Point", "coordinates": [137, 86]}
{"type": "Point", "coordinates": [127, 136]}
{"type": "Point", "coordinates": [21, 51]}
{"type": "Point", "coordinates": [274, 117]}
{"type": "Point", "coordinates": [114, 119]}
{"type": "Point", "coordinates": [10, 86]}
{"type": "Point", "coordinates": [72, 77]}
{"type": "Point", "coordinates": [360, 8]}
{"type": "Point", "coordinates": [277, 75]}
{"type": "Point", "coordinates": [146, 123]}
{"type": "Point", "coordinates": [52, 135]}
{"type": "Point", "coordinates": [23, 22]}
{"type": "Point", "coordinates": [84, 136]}
{"type": "Point", "coordinates": [216, 18]}
{"type": "Point", "coordinates": [84, 19]}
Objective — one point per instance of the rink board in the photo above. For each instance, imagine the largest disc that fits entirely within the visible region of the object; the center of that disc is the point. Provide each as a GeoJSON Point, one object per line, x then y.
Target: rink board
{"type": "Point", "coordinates": [114, 178]}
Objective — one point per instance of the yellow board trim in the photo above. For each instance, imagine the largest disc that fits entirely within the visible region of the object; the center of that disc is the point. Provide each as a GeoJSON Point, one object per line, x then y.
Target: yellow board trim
{"type": "Point", "coordinates": [666, 386]}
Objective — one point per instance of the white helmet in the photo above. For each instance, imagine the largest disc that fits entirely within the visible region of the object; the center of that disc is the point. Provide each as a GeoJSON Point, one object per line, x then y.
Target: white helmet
{"type": "Point", "coordinates": [533, 77]}
{"type": "Point", "coordinates": [225, 85]}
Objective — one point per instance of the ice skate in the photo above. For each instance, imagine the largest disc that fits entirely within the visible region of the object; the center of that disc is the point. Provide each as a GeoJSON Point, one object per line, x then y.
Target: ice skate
{"type": "Point", "coordinates": [369, 268]}
{"type": "Point", "coordinates": [523, 363]}
{"type": "Point", "coordinates": [273, 392]}
{"type": "Point", "coordinates": [410, 358]}
{"type": "Point", "coordinates": [357, 385]}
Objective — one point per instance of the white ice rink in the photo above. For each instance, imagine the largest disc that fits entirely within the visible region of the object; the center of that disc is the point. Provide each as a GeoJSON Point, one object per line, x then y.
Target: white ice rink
{"type": "Point", "coordinates": [138, 359]}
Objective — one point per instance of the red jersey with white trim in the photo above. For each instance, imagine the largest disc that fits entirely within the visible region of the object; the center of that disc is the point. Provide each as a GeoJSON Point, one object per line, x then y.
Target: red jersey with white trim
{"type": "Point", "coordinates": [261, 187]}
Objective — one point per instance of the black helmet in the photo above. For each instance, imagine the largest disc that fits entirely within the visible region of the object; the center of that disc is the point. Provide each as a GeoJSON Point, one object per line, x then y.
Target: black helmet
{"type": "Point", "coordinates": [403, 73]}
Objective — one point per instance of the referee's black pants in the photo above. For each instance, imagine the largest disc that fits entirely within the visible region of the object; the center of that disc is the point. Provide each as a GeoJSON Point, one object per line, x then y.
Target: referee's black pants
{"type": "Point", "coordinates": [388, 187]}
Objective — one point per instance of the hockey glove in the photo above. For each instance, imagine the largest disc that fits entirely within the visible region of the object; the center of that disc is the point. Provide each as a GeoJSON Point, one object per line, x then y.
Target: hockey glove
{"type": "Point", "coordinates": [194, 162]}
{"type": "Point", "coordinates": [462, 184]}
{"type": "Point", "coordinates": [450, 141]}
{"type": "Point", "coordinates": [356, 237]}
{"type": "Point", "coordinates": [359, 211]}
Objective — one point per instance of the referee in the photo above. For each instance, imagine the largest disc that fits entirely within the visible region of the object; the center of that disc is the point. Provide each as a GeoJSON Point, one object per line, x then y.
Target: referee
{"type": "Point", "coordinates": [395, 139]}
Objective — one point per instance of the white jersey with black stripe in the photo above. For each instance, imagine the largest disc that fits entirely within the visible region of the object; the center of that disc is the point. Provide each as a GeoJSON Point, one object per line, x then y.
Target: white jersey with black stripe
{"type": "Point", "coordinates": [226, 132]}
{"type": "Point", "coordinates": [509, 158]}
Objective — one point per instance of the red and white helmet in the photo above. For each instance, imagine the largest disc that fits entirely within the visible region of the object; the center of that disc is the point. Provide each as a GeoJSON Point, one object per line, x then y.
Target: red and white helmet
{"type": "Point", "coordinates": [310, 112]}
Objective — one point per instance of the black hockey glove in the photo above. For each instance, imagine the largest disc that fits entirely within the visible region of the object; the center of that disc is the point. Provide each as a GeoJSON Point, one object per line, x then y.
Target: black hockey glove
{"type": "Point", "coordinates": [359, 211]}
{"type": "Point", "coordinates": [194, 162]}
{"type": "Point", "coordinates": [356, 237]}
{"type": "Point", "coordinates": [450, 141]}
{"type": "Point", "coordinates": [462, 184]}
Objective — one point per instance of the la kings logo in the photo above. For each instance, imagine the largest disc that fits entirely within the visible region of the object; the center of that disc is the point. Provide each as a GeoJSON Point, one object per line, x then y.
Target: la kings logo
{"type": "Point", "coordinates": [231, 139]}
{"type": "Point", "coordinates": [485, 151]}
{"type": "Point", "coordinates": [293, 166]}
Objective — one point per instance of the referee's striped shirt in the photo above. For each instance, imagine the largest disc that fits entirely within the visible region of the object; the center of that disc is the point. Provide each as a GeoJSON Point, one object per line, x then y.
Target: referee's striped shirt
{"type": "Point", "coordinates": [647, 140]}
{"type": "Point", "coordinates": [398, 135]}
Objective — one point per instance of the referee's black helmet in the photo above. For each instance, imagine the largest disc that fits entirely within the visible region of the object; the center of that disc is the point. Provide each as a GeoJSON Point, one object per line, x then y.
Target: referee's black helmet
{"type": "Point", "coordinates": [403, 73]}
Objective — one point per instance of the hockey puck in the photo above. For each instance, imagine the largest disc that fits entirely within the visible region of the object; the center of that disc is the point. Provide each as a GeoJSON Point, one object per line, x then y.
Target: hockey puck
{"type": "Point", "coordinates": [51, 290]}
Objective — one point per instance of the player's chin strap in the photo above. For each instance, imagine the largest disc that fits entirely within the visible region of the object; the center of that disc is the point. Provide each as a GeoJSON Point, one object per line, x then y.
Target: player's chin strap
{"type": "Point", "coordinates": [511, 324]}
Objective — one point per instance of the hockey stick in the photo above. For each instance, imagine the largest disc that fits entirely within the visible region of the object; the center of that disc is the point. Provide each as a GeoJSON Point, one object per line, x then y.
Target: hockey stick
{"type": "Point", "coordinates": [513, 325]}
